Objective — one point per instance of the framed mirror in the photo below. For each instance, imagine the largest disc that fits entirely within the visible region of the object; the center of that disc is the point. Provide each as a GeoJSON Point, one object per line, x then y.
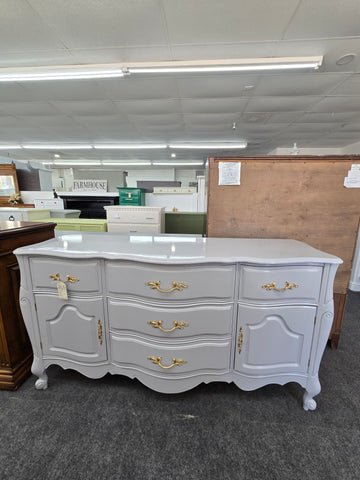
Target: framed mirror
{"type": "Point", "coordinates": [8, 183]}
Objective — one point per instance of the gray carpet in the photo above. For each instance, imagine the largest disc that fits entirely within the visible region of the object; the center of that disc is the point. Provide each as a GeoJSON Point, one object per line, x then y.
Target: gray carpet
{"type": "Point", "coordinates": [115, 428]}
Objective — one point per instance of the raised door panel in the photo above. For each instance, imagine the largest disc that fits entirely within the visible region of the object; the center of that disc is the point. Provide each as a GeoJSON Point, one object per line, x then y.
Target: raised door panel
{"type": "Point", "coordinates": [280, 284]}
{"type": "Point", "coordinates": [178, 322]}
{"type": "Point", "coordinates": [72, 330]}
{"type": "Point", "coordinates": [170, 283]}
{"type": "Point", "coordinates": [175, 359]}
{"type": "Point", "coordinates": [274, 340]}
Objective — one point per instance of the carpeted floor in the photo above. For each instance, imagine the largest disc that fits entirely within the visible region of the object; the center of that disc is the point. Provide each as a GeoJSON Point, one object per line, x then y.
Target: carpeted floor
{"type": "Point", "coordinates": [115, 428]}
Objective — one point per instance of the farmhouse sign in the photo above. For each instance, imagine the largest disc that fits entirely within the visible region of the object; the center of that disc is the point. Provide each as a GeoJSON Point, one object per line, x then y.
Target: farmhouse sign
{"type": "Point", "coordinates": [90, 185]}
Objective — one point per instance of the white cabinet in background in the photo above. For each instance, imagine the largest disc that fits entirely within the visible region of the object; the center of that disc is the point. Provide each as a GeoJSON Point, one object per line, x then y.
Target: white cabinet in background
{"type": "Point", "coordinates": [126, 219]}
{"type": "Point", "coordinates": [23, 214]}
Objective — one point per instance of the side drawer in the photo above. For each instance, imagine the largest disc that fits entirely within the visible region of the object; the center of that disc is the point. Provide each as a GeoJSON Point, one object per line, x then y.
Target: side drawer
{"type": "Point", "coordinates": [169, 283]}
{"type": "Point", "coordinates": [175, 322]}
{"type": "Point", "coordinates": [134, 227]}
{"type": "Point", "coordinates": [133, 216]}
{"type": "Point", "coordinates": [87, 272]}
{"type": "Point", "coordinates": [280, 284]}
{"type": "Point", "coordinates": [197, 357]}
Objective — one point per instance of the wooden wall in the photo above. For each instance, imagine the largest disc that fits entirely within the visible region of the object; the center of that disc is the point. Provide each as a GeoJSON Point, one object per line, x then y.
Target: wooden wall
{"type": "Point", "coordinates": [300, 197]}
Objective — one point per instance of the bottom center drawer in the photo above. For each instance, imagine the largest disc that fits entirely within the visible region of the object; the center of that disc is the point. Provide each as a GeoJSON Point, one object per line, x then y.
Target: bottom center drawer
{"type": "Point", "coordinates": [170, 359]}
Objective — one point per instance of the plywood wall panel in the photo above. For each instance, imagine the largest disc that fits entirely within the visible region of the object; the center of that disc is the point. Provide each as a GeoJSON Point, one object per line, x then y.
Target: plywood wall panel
{"type": "Point", "coordinates": [303, 198]}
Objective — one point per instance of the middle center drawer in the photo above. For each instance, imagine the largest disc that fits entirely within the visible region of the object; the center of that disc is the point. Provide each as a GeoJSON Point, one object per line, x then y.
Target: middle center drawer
{"type": "Point", "coordinates": [172, 322]}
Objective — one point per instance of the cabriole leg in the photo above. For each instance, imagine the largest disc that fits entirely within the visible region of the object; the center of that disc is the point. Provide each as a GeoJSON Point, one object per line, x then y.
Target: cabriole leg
{"type": "Point", "coordinates": [313, 388]}
{"type": "Point", "coordinates": [38, 369]}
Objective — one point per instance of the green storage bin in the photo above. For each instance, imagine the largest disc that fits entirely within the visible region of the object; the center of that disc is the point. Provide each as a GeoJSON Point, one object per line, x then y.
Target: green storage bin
{"type": "Point", "coordinates": [186, 222]}
{"type": "Point", "coordinates": [131, 196]}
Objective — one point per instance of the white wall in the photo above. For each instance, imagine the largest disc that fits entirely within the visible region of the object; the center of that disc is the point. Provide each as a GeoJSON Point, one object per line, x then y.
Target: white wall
{"type": "Point", "coordinates": [149, 174]}
{"type": "Point", "coordinates": [353, 149]}
{"type": "Point", "coordinates": [185, 176]}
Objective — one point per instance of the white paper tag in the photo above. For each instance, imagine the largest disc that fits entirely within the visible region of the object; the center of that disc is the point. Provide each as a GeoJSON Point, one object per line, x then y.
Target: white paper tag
{"type": "Point", "coordinates": [229, 173]}
{"type": "Point", "coordinates": [62, 290]}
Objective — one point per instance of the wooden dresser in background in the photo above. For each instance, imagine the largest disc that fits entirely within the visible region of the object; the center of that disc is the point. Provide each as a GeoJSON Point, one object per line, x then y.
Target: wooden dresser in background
{"type": "Point", "coordinates": [15, 348]}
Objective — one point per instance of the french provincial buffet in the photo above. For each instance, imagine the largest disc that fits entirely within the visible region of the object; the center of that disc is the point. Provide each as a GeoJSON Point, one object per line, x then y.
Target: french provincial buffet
{"type": "Point", "coordinates": [175, 311]}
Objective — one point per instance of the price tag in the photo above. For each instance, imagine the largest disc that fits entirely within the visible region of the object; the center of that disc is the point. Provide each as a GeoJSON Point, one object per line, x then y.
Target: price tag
{"type": "Point", "coordinates": [62, 290]}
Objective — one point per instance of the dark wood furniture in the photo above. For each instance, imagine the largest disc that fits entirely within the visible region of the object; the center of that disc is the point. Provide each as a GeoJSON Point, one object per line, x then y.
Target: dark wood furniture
{"type": "Point", "coordinates": [15, 348]}
{"type": "Point", "coordinates": [298, 197]}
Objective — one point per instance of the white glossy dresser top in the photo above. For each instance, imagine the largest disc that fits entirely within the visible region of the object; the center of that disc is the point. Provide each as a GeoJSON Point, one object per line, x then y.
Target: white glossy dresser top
{"type": "Point", "coordinates": [168, 249]}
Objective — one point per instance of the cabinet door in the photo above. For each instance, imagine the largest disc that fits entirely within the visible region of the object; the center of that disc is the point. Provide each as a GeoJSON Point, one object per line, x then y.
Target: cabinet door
{"type": "Point", "coordinates": [72, 329]}
{"type": "Point", "coordinates": [272, 340]}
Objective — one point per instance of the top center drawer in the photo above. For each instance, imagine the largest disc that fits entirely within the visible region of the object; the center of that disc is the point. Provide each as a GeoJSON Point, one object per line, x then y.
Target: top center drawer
{"type": "Point", "coordinates": [134, 214]}
{"type": "Point", "coordinates": [170, 283]}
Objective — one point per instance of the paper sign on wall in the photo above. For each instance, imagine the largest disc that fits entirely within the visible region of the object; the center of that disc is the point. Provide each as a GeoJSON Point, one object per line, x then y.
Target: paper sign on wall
{"type": "Point", "coordinates": [229, 173]}
{"type": "Point", "coordinates": [353, 178]}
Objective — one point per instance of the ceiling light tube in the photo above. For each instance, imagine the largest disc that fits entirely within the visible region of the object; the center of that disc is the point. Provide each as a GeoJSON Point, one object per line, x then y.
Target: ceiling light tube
{"type": "Point", "coordinates": [61, 72]}
{"type": "Point", "coordinates": [70, 162]}
{"type": "Point", "coordinates": [227, 65]}
{"type": "Point", "coordinates": [64, 146]}
{"type": "Point", "coordinates": [177, 163]}
{"type": "Point", "coordinates": [10, 147]}
{"type": "Point", "coordinates": [126, 164]}
{"type": "Point", "coordinates": [209, 146]}
{"type": "Point", "coordinates": [130, 146]}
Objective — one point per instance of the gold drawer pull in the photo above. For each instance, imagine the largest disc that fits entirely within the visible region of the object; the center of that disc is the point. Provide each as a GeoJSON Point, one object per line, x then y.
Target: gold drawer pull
{"type": "Point", "coordinates": [158, 324]}
{"type": "Point", "coordinates": [272, 286]}
{"type": "Point", "coordinates": [175, 286]}
{"type": "Point", "coordinates": [157, 361]}
{"type": "Point", "coordinates": [56, 277]}
{"type": "Point", "coordinates": [240, 339]}
{"type": "Point", "coordinates": [100, 332]}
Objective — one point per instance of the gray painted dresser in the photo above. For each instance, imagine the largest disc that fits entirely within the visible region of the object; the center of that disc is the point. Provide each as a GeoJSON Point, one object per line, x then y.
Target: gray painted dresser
{"type": "Point", "coordinates": [175, 311]}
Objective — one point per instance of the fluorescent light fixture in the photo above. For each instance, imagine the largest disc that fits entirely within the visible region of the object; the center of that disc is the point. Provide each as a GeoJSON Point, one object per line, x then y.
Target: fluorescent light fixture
{"type": "Point", "coordinates": [70, 162]}
{"type": "Point", "coordinates": [129, 146]}
{"type": "Point", "coordinates": [126, 164]}
{"type": "Point", "coordinates": [10, 147]}
{"type": "Point", "coordinates": [177, 163]}
{"type": "Point", "coordinates": [64, 146]}
{"type": "Point", "coordinates": [209, 145]}
{"type": "Point", "coordinates": [228, 65]}
{"type": "Point", "coordinates": [111, 70]}
{"type": "Point", "coordinates": [61, 72]}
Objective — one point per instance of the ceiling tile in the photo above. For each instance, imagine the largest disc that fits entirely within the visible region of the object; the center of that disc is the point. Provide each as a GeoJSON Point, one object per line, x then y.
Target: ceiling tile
{"type": "Point", "coordinates": [27, 108]}
{"type": "Point", "coordinates": [298, 84]}
{"type": "Point", "coordinates": [325, 18]}
{"type": "Point", "coordinates": [88, 107]}
{"type": "Point", "coordinates": [149, 107]}
{"type": "Point", "coordinates": [281, 104]}
{"type": "Point", "coordinates": [198, 22]}
{"type": "Point", "coordinates": [95, 24]}
{"type": "Point", "coordinates": [213, 105]}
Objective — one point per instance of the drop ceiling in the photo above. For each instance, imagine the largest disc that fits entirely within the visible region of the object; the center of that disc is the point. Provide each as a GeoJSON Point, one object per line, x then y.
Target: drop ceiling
{"type": "Point", "coordinates": [317, 109]}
